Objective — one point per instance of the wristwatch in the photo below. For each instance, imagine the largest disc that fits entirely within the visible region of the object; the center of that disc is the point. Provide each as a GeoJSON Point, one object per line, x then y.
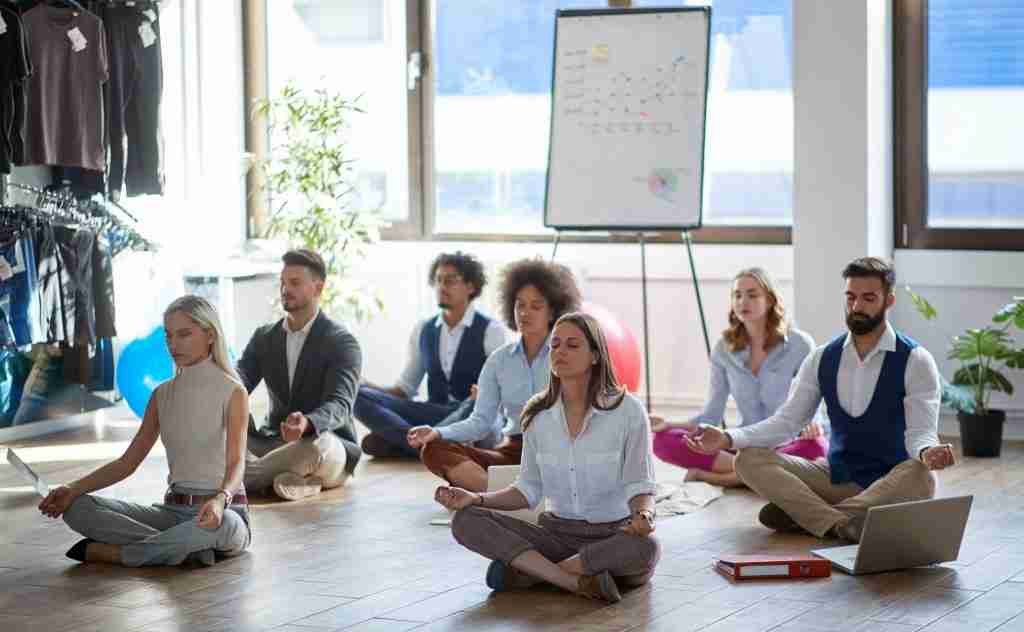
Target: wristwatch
{"type": "Point", "coordinates": [227, 497]}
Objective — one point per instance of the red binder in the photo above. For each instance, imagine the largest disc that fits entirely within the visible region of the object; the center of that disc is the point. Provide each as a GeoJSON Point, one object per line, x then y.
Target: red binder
{"type": "Point", "coordinates": [741, 567]}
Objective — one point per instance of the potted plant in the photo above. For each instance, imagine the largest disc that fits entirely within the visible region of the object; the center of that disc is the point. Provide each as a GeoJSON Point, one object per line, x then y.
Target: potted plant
{"type": "Point", "coordinates": [310, 177]}
{"type": "Point", "coordinates": [983, 354]}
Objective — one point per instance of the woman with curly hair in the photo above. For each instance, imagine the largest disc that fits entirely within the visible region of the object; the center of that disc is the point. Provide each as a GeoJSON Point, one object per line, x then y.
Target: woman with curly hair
{"type": "Point", "coordinates": [755, 361]}
{"type": "Point", "coordinates": [534, 294]}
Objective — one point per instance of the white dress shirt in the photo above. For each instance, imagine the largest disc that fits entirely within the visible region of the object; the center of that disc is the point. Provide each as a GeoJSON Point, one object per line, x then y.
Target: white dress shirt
{"type": "Point", "coordinates": [593, 476]}
{"type": "Point", "coordinates": [856, 386]}
{"type": "Point", "coordinates": [448, 346]}
{"type": "Point", "coordinates": [294, 340]}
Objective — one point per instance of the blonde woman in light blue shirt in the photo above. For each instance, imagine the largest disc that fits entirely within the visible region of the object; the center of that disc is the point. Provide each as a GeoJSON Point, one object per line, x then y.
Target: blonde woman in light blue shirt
{"type": "Point", "coordinates": [754, 362]}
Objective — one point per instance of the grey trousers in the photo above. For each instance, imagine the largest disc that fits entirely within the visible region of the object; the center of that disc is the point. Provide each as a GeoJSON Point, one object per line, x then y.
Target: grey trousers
{"type": "Point", "coordinates": [323, 456]}
{"type": "Point", "coordinates": [804, 489]}
{"type": "Point", "coordinates": [601, 546]}
{"type": "Point", "coordinates": [155, 535]}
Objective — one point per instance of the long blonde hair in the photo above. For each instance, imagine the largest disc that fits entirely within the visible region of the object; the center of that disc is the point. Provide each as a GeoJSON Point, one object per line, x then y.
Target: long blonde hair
{"type": "Point", "coordinates": [603, 392]}
{"type": "Point", "coordinates": [203, 314]}
{"type": "Point", "coordinates": [736, 336]}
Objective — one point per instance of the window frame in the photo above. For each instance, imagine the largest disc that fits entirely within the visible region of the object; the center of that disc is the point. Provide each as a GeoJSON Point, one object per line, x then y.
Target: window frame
{"type": "Point", "coordinates": [421, 221]}
{"type": "Point", "coordinates": [910, 147]}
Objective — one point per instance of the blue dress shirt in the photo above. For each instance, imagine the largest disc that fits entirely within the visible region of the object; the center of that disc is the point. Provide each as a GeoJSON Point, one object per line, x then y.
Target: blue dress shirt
{"type": "Point", "coordinates": [506, 383]}
{"type": "Point", "coordinates": [757, 396]}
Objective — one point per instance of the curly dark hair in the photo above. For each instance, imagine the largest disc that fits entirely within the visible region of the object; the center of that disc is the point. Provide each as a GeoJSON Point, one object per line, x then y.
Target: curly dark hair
{"type": "Point", "coordinates": [469, 267]}
{"type": "Point", "coordinates": [554, 281]}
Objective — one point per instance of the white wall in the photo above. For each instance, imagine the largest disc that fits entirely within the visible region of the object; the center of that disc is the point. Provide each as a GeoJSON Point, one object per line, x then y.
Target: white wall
{"type": "Point", "coordinates": [966, 289]}
{"type": "Point", "coordinates": [842, 190]}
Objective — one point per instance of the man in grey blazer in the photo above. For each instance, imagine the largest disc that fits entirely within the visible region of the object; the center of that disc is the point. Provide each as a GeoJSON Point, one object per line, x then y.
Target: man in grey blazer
{"type": "Point", "coordinates": [311, 367]}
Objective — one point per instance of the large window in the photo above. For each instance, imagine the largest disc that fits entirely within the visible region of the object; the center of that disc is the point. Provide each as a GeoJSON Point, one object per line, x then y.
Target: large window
{"type": "Point", "coordinates": [960, 92]}
{"type": "Point", "coordinates": [491, 84]}
{"type": "Point", "coordinates": [472, 131]}
{"type": "Point", "coordinates": [358, 49]}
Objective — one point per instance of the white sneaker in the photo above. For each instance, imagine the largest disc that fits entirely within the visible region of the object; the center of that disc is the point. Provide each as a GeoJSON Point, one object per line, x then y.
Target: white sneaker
{"type": "Point", "coordinates": [291, 486]}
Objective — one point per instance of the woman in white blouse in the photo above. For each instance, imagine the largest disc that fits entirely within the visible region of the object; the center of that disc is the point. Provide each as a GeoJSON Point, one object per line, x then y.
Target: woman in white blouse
{"type": "Point", "coordinates": [587, 450]}
{"type": "Point", "coordinates": [200, 416]}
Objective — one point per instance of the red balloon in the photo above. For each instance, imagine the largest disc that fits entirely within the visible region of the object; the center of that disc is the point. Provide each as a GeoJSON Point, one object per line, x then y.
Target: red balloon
{"type": "Point", "coordinates": [622, 346]}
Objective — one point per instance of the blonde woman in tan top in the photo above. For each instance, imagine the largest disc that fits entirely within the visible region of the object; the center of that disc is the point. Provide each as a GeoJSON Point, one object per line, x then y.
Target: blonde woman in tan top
{"type": "Point", "coordinates": [200, 416]}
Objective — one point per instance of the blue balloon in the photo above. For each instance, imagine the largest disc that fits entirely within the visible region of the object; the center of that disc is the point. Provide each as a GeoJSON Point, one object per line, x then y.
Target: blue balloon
{"type": "Point", "coordinates": [143, 365]}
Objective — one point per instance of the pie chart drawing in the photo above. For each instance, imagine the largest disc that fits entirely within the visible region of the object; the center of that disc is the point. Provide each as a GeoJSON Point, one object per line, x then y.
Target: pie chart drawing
{"type": "Point", "coordinates": [663, 184]}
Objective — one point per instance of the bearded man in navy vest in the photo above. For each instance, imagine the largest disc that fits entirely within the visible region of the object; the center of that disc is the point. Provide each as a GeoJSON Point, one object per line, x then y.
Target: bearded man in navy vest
{"type": "Point", "coordinates": [449, 349]}
{"type": "Point", "coordinates": [882, 393]}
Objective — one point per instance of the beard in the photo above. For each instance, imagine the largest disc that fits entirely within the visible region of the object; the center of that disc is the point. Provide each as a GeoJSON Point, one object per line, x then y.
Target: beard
{"type": "Point", "coordinates": [861, 324]}
{"type": "Point", "coordinates": [292, 304]}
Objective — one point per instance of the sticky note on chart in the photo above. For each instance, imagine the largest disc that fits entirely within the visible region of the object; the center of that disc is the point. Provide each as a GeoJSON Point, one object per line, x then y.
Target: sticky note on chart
{"type": "Point", "coordinates": [599, 53]}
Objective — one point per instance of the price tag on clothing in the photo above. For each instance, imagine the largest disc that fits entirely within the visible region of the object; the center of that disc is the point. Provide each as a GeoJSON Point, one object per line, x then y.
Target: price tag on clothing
{"type": "Point", "coordinates": [78, 41]}
{"type": "Point", "coordinates": [147, 34]}
{"type": "Point", "coordinates": [6, 272]}
{"type": "Point", "coordinates": [3, 25]}
{"type": "Point", "coordinates": [150, 15]}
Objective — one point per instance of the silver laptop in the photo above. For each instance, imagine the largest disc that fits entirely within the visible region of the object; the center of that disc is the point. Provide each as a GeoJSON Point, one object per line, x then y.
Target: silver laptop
{"type": "Point", "coordinates": [905, 535]}
{"type": "Point", "coordinates": [40, 485]}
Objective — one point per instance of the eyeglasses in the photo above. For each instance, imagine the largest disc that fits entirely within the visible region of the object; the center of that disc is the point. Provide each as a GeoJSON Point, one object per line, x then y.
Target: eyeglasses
{"type": "Point", "coordinates": [448, 280]}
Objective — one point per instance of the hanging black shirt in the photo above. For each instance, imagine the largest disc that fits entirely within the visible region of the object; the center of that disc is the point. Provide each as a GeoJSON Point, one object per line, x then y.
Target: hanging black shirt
{"type": "Point", "coordinates": [15, 68]}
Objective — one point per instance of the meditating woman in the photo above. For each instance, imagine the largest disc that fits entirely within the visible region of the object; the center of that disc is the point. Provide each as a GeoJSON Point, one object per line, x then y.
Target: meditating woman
{"type": "Point", "coordinates": [534, 294]}
{"type": "Point", "coordinates": [754, 362]}
{"type": "Point", "coordinates": [587, 451]}
{"type": "Point", "coordinates": [200, 416]}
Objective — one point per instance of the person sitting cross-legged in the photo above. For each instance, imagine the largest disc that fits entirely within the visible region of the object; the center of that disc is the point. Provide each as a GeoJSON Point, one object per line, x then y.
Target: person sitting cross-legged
{"type": "Point", "coordinates": [587, 451]}
{"type": "Point", "coordinates": [881, 391]}
{"type": "Point", "coordinates": [449, 349]}
{"type": "Point", "coordinates": [754, 362]}
{"type": "Point", "coordinates": [534, 294]}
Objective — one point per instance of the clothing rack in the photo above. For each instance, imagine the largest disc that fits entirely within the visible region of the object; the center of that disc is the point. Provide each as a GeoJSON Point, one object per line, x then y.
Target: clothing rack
{"type": "Point", "coordinates": [62, 206]}
{"type": "Point", "coordinates": [51, 205]}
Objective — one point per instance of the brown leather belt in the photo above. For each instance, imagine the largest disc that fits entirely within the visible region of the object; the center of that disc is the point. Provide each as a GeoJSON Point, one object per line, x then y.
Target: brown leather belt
{"type": "Point", "coordinates": [172, 498]}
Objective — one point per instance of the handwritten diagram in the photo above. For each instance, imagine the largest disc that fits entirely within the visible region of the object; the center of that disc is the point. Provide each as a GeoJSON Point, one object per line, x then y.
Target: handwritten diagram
{"type": "Point", "coordinates": [603, 99]}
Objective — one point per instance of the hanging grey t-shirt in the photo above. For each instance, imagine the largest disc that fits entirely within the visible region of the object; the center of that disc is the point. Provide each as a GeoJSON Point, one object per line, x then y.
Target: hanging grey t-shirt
{"type": "Point", "coordinates": [64, 118]}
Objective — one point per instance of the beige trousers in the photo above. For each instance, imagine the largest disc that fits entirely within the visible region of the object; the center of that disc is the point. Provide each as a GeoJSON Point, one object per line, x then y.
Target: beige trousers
{"type": "Point", "coordinates": [804, 489]}
{"type": "Point", "coordinates": [323, 456]}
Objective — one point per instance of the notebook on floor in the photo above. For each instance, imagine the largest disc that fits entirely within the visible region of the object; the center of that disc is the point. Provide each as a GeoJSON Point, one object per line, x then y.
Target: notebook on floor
{"type": "Point", "coordinates": [28, 473]}
{"type": "Point", "coordinates": [501, 476]}
{"type": "Point", "coordinates": [905, 535]}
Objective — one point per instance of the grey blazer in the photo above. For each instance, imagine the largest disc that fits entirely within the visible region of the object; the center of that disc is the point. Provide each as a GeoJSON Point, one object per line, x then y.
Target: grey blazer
{"type": "Point", "coordinates": [325, 385]}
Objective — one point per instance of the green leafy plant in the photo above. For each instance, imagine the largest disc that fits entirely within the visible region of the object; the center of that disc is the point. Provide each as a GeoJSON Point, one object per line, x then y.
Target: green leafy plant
{"type": "Point", "coordinates": [982, 353]}
{"type": "Point", "coordinates": [311, 180]}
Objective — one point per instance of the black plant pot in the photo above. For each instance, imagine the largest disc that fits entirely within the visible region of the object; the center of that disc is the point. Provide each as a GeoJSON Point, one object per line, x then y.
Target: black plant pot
{"type": "Point", "coordinates": [982, 435]}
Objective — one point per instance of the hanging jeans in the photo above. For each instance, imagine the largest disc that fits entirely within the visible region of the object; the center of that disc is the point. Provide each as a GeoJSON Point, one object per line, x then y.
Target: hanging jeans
{"type": "Point", "coordinates": [133, 102]}
{"type": "Point", "coordinates": [19, 256]}
{"type": "Point", "coordinates": [75, 247]}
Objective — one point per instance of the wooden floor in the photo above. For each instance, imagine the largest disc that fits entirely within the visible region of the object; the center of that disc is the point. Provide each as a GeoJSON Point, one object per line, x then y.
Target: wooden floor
{"type": "Point", "coordinates": [364, 558]}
